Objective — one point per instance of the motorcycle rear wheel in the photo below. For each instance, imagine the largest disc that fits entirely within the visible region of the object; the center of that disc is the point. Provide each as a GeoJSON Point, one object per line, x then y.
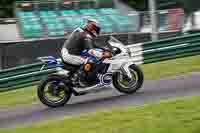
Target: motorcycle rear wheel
{"type": "Point", "coordinates": [129, 86]}
{"type": "Point", "coordinates": [54, 91]}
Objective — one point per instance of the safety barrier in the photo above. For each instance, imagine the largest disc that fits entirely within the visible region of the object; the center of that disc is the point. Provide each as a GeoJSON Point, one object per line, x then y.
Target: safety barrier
{"type": "Point", "coordinates": [141, 53]}
{"type": "Point", "coordinates": [178, 47]}
{"type": "Point", "coordinates": [28, 79]}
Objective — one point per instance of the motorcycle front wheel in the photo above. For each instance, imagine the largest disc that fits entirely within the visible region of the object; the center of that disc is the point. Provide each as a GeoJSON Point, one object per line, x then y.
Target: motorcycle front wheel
{"type": "Point", "coordinates": [54, 92]}
{"type": "Point", "coordinates": [127, 85]}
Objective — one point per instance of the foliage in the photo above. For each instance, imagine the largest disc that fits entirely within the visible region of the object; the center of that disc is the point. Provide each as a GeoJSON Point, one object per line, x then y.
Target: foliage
{"type": "Point", "coordinates": [189, 5]}
{"type": "Point", "coordinates": [6, 8]}
{"type": "Point", "coordinates": [137, 4]}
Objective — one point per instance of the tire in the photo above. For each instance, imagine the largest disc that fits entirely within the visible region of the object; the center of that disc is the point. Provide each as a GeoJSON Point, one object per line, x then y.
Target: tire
{"type": "Point", "coordinates": [129, 90]}
{"type": "Point", "coordinates": [66, 89]}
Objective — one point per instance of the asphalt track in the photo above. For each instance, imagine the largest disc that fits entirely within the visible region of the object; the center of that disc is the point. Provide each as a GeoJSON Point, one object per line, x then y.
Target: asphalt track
{"type": "Point", "coordinates": [151, 92]}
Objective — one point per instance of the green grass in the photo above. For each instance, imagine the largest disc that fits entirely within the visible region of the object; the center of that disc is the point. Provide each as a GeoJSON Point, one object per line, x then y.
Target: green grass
{"type": "Point", "coordinates": [171, 68]}
{"type": "Point", "coordinates": [181, 116]}
{"type": "Point", "coordinates": [164, 69]}
{"type": "Point", "coordinates": [24, 96]}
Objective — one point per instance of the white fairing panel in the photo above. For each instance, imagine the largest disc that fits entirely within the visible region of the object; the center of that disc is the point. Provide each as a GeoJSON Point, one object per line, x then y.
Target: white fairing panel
{"type": "Point", "coordinates": [116, 43]}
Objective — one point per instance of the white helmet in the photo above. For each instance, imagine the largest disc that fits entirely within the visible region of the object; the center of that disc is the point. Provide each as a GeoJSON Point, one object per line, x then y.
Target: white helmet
{"type": "Point", "coordinates": [93, 27]}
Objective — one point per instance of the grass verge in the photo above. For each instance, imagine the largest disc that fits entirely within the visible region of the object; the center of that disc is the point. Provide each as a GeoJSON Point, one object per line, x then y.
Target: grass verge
{"type": "Point", "coordinates": [171, 68]}
{"type": "Point", "coordinates": [151, 71]}
{"type": "Point", "coordinates": [24, 96]}
{"type": "Point", "coordinates": [180, 116]}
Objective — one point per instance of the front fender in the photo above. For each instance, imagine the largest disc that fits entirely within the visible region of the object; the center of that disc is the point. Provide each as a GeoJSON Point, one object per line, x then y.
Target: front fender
{"type": "Point", "coordinates": [125, 68]}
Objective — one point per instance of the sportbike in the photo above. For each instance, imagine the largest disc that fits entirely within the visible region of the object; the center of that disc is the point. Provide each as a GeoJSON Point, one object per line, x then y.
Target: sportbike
{"type": "Point", "coordinates": [111, 66]}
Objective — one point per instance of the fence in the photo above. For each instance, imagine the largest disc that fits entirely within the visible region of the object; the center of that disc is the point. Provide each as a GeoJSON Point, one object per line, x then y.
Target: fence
{"type": "Point", "coordinates": [142, 53]}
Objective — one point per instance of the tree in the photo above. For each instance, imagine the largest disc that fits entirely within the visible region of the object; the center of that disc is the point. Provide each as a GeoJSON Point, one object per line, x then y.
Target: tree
{"type": "Point", "coordinates": [189, 6]}
{"type": "Point", "coordinates": [140, 5]}
{"type": "Point", "coordinates": [6, 8]}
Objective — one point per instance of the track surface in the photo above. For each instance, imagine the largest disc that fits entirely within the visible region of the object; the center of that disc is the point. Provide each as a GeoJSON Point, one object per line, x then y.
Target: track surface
{"type": "Point", "coordinates": [151, 92]}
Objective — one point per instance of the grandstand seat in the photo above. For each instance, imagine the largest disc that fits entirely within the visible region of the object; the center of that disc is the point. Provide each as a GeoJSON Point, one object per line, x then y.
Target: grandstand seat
{"type": "Point", "coordinates": [30, 21]}
{"type": "Point", "coordinates": [106, 24]}
{"type": "Point", "coordinates": [68, 13]}
{"type": "Point", "coordinates": [55, 26]}
{"type": "Point", "coordinates": [108, 11]}
{"type": "Point", "coordinates": [23, 14]}
{"type": "Point", "coordinates": [88, 12]}
{"type": "Point", "coordinates": [56, 33]}
{"type": "Point", "coordinates": [57, 18]}
{"type": "Point", "coordinates": [72, 23]}
{"type": "Point", "coordinates": [30, 24]}
{"type": "Point", "coordinates": [107, 28]}
{"type": "Point", "coordinates": [32, 31]}
{"type": "Point", "coordinates": [47, 14]}
{"type": "Point", "coordinates": [123, 23]}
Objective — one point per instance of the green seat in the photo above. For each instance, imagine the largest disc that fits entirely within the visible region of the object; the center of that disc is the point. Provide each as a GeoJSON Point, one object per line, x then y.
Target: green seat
{"type": "Point", "coordinates": [121, 22]}
{"type": "Point", "coordinates": [52, 13]}
{"type": "Point", "coordinates": [72, 23]}
{"type": "Point", "coordinates": [37, 27]}
{"type": "Point", "coordinates": [106, 24]}
{"type": "Point", "coordinates": [27, 33]}
{"type": "Point", "coordinates": [107, 29]}
{"type": "Point", "coordinates": [50, 20]}
{"type": "Point", "coordinates": [32, 27]}
{"type": "Point", "coordinates": [56, 33]}
{"type": "Point", "coordinates": [33, 21]}
{"type": "Point", "coordinates": [102, 19]}
{"type": "Point", "coordinates": [108, 11]}
{"type": "Point", "coordinates": [32, 31]}
{"type": "Point", "coordinates": [56, 26]}
{"type": "Point", "coordinates": [68, 13]}
{"type": "Point", "coordinates": [32, 35]}
{"type": "Point", "coordinates": [47, 14]}
{"type": "Point", "coordinates": [88, 12]}
{"type": "Point", "coordinates": [23, 14]}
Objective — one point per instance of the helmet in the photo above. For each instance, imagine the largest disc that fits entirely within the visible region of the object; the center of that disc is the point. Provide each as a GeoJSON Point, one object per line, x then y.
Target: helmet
{"type": "Point", "coordinates": [93, 27]}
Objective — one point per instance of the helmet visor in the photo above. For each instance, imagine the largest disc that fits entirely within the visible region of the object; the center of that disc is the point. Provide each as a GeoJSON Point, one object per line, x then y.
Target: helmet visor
{"type": "Point", "coordinates": [98, 30]}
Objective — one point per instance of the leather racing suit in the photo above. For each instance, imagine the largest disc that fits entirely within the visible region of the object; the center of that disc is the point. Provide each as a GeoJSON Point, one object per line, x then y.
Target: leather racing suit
{"type": "Point", "coordinates": [78, 41]}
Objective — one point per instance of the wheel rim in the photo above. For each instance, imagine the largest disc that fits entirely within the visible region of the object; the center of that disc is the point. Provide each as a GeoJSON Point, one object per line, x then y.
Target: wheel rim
{"type": "Point", "coordinates": [54, 91]}
{"type": "Point", "coordinates": [127, 84]}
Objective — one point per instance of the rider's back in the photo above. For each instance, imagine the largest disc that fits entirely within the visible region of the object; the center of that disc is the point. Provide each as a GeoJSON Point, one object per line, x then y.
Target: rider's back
{"type": "Point", "coordinates": [77, 42]}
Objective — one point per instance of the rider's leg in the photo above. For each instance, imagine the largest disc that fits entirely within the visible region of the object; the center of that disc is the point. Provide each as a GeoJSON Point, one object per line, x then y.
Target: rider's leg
{"type": "Point", "coordinates": [71, 59]}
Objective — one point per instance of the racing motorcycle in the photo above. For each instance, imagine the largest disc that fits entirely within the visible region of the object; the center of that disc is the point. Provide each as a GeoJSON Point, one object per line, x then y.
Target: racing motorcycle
{"type": "Point", "coordinates": [111, 66]}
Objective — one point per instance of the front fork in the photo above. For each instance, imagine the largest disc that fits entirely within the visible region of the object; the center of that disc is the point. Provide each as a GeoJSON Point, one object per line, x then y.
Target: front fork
{"type": "Point", "coordinates": [125, 69]}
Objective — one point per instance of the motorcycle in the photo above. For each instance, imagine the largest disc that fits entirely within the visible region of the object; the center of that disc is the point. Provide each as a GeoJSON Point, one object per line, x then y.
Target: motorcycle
{"type": "Point", "coordinates": [111, 65]}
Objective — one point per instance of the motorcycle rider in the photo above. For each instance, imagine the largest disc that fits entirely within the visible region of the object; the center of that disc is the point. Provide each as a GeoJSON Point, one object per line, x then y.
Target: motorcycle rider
{"type": "Point", "coordinates": [79, 40]}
